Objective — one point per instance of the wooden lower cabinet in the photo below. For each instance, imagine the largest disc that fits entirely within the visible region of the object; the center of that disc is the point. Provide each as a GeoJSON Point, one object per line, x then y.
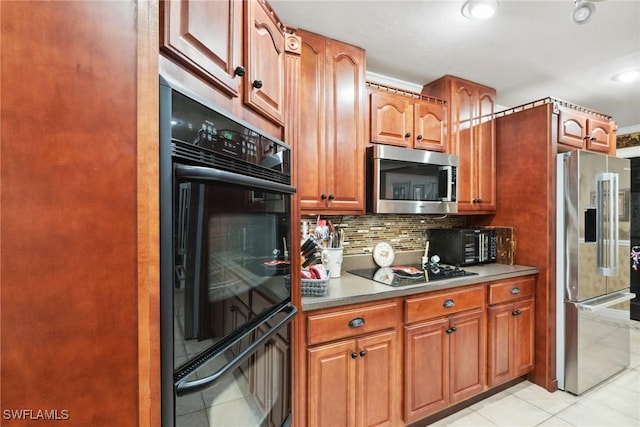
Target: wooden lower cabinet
{"type": "Point", "coordinates": [353, 382]}
{"type": "Point", "coordinates": [511, 343]}
{"type": "Point", "coordinates": [444, 362]}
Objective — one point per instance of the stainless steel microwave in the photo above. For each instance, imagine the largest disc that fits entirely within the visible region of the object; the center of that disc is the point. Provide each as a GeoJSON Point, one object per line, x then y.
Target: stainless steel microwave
{"type": "Point", "coordinates": [407, 181]}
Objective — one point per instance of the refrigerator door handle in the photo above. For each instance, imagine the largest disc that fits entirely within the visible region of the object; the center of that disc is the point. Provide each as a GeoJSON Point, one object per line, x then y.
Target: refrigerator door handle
{"type": "Point", "coordinates": [607, 224]}
{"type": "Point", "coordinates": [610, 300]}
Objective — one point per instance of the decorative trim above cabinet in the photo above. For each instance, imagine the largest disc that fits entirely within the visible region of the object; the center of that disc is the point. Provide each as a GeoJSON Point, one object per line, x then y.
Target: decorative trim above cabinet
{"type": "Point", "coordinates": [557, 103]}
{"type": "Point", "coordinates": [407, 93]}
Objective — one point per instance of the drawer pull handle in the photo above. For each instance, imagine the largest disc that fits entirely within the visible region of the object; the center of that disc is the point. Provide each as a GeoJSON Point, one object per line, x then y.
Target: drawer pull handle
{"type": "Point", "coordinates": [448, 303]}
{"type": "Point", "coordinates": [356, 323]}
{"type": "Point", "coordinates": [515, 291]}
{"type": "Point", "coordinates": [516, 312]}
{"type": "Point", "coordinates": [354, 355]}
{"type": "Point", "coordinates": [363, 353]}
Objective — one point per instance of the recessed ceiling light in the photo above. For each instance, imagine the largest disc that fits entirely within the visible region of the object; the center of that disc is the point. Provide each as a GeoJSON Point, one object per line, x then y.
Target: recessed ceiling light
{"type": "Point", "coordinates": [479, 9]}
{"type": "Point", "coordinates": [583, 11]}
{"type": "Point", "coordinates": [627, 76]}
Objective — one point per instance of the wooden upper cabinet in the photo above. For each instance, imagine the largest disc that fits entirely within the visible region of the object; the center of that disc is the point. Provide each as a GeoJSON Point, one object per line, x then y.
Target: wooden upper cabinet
{"type": "Point", "coordinates": [472, 137]}
{"type": "Point", "coordinates": [205, 37]}
{"type": "Point", "coordinates": [572, 129]}
{"type": "Point", "coordinates": [406, 122]}
{"type": "Point", "coordinates": [429, 123]}
{"type": "Point", "coordinates": [264, 85]}
{"type": "Point", "coordinates": [330, 149]}
{"type": "Point", "coordinates": [581, 130]}
{"type": "Point", "coordinates": [391, 119]}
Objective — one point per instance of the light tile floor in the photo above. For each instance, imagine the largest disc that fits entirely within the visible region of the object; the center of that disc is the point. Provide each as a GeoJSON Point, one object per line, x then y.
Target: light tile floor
{"type": "Point", "coordinates": [613, 403]}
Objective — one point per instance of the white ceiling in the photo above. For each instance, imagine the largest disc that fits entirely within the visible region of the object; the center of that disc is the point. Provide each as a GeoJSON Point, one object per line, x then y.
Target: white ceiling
{"type": "Point", "coordinates": [528, 51]}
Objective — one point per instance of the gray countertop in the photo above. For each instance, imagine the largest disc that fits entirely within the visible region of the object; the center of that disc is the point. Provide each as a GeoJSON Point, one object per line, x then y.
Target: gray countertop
{"type": "Point", "coordinates": [351, 289]}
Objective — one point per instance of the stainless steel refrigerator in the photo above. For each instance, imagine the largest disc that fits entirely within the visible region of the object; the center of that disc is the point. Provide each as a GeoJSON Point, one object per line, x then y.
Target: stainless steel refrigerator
{"type": "Point", "coordinates": [593, 269]}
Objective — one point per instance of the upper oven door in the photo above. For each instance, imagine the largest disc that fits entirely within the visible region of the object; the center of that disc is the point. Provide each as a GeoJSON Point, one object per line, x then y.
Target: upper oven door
{"type": "Point", "coordinates": [232, 241]}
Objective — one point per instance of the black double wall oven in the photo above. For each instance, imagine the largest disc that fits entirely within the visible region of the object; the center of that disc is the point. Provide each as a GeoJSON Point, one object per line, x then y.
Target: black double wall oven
{"type": "Point", "coordinates": [225, 218]}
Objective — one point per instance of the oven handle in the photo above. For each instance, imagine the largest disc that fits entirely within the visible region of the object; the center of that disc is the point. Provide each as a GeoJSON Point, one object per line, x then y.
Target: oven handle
{"type": "Point", "coordinates": [189, 387]}
{"type": "Point", "coordinates": [202, 173]}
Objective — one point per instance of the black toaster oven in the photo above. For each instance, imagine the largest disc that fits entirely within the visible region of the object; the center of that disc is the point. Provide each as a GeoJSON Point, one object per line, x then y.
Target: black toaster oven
{"type": "Point", "coordinates": [463, 246]}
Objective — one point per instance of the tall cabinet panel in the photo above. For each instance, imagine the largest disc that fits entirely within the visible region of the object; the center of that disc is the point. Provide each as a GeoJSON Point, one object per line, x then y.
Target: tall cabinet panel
{"type": "Point", "coordinates": [471, 133]}
{"type": "Point", "coordinates": [332, 128]}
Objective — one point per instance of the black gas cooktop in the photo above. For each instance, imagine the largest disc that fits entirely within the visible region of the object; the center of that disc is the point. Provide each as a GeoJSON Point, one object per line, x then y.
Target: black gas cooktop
{"type": "Point", "coordinates": [412, 275]}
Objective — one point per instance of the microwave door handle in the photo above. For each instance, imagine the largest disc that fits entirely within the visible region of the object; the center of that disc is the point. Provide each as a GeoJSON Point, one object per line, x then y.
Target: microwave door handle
{"type": "Point", "coordinates": [184, 387]}
{"type": "Point", "coordinates": [607, 239]}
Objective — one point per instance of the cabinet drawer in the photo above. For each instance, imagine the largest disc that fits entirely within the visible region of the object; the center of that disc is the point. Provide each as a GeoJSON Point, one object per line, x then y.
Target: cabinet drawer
{"type": "Point", "coordinates": [443, 303]}
{"type": "Point", "coordinates": [349, 323]}
{"type": "Point", "coordinates": [511, 290]}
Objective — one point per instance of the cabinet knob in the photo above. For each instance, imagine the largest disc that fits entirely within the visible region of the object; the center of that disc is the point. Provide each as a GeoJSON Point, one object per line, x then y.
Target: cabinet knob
{"type": "Point", "coordinates": [448, 303]}
{"type": "Point", "coordinates": [451, 330]}
{"type": "Point", "coordinates": [331, 196]}
{"type": "Point", "coordinates": [515, 290]}
{"type": "Point", "coordinates": [363, 353]}
{"type": "Point", "coordinates": [356, 322]}
{"type": "Point", "coordinates": [354, 355]}
{"type": "Point", "coordinates": [593, 138]}
{"type": "Point", "coordinates": [232, 308]}
{"type": "Point", "coordinates": [323, 196]}
{"type": "Point", "coordinates": [257, 84]}
{"type": "Point", "coordinates": [407, 135]}
{"type": "Point", "coordinates": [239, 71]}
{"type": "Point", "coordinates": [477, 200]}
{"type": "Point", "coordinates": [419, 137]}
{"type": "Point", "coordinates": [516, 312]}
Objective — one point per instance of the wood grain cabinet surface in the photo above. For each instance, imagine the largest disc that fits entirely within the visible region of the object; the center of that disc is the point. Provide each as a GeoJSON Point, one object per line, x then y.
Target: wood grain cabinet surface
{"type": "Point", "coordinates": [511, 329]}
{"type": "Point", "coordinates": [206, 37]}
{"type": "Point", "coordinates": [330, 148]}
{"type": "Point", "coordinates": [354, 381]}
{"type": "Point", "coordinates": [445, 356]}
{"type": "Point", "coordinates": [407, 122]}
{"type": "Point", "coordinates": [578, 129]}
{"type": "Point", "coordinates": [472, 137]}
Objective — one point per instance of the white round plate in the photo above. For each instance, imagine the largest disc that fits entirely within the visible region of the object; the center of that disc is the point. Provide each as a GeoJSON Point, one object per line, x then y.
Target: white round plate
{"type": "Point", "coordinates": [383, 254]}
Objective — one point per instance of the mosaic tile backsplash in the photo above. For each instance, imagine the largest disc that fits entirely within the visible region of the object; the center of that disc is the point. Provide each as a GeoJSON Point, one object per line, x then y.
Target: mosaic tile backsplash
{"type": "Point", "coordinates": [403, 232]}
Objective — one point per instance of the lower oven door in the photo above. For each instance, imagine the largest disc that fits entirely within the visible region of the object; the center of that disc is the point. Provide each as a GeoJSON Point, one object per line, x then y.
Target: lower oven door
{"type": "Point", "coordinates": [243, 380]}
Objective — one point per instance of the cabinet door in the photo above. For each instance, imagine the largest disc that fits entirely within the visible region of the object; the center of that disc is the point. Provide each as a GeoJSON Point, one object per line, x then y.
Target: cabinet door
{"type": "Point", "coordinates": [204, 36]}
{"type": "Point", "coordinates": [511, 341]}
{"type": "Point", "coordinates": [310, 151]}
{"type": "Point", "coordinates": [500, 356]}
{"type": "Point", "coordinates": [331, 397]}
{"type": "Point", "coordinates": [426, 369]}
{"type": "Point", "coordinates": [430, 121]}
{"type": "Point", "coordinates": [376, 390]}
{"type": "Point", "coordinates": [264, 87]}
{"type": "Point", "coordinates": [345, 125]}
{"type": "Point", "coordinates": [572, 128]}
{"type": "Point", "coordinates": [467, 370]}
{"type": "Point", "coordinates": [523, 319]}
{"type": "Point", "coordinates": [391, 119]}
{"type": "Point", "coordinates": [461, 141]}
{"type": "Point", "coordinates": [600, 136]}
{"type": "Point", "coordinates": [485, 154]}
